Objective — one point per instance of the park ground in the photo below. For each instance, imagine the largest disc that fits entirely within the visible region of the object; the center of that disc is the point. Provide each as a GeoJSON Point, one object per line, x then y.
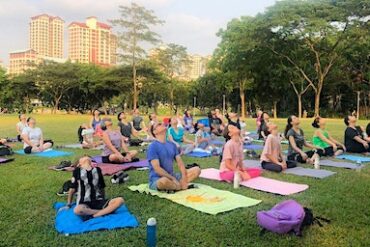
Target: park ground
{"type": "Point", "coordinates": [27, 194]}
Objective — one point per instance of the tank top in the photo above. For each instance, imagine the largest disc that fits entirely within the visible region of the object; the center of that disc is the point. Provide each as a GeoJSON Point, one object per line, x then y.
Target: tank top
{"type": "Point", "coordinates": [126, 129]}
{"type": "Point", "coordinates": [96, 122]}
{"type": "Point", "coordinates": [115, 138]}
{"type": "Point", "coordinates": [317, 141]}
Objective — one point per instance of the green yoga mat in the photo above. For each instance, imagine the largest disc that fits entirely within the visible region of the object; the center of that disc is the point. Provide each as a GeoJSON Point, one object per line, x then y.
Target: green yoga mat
{"type": "Point", "coordinates": [203, 198]}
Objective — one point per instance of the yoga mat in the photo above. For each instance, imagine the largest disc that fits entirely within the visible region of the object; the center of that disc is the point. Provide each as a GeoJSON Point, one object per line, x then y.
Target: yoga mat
{"type": "Point", "coordinates": [66, 222]}
{"type": "Point", "coordinates": [3, 160]}
{"type": "Point", "coordinates": [110, 169]}
{"type": "Point", "coordinates": [340, 164]}
{"type": "Point", "coordinates": [355, 158]}
{"type": "Point", "coordinates": [299, 171]}
{"type": "Point", "coordinates": [46, 154]}
{"type": "Point", "coordinates": [199, 154]}
{"type": "Point", "coordinates": [253, 146]}
{"type": "Point", "coordinates": [217, 142]}
{"type": "Point", "coordinates": [308, 172]}
{"type": "Point", "coordinates": [79, 146]}
{"type": "Point", "coordinates": [260, 183]}
{"type": "Point", "coordinates": [203, 198]}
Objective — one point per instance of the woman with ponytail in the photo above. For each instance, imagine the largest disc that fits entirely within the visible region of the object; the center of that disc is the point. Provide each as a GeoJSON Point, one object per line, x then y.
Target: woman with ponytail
{"type": "Point", "coordinates": [295, 136]}
{"type": "Point", "coordinates": [323, 139]}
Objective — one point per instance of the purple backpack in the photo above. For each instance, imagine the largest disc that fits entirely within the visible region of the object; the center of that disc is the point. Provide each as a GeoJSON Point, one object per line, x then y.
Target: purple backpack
{"type": "Point", "coordinates": [283, 218]}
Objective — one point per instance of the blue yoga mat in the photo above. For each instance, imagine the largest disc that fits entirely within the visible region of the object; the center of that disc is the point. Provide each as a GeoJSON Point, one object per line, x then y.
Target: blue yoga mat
{"type": "Point", "coordinates": [66, 222]}
{"type": "Point", "coordinates": [47, 154]}
{"type": "Point", "coordinates": [217, 142]}
{"type": "Point", "coordinates": [355, 158]}
{"type": "Point", "coordinates": [253, 147]}
{"type": "Point", "coordinates": [199, 154]}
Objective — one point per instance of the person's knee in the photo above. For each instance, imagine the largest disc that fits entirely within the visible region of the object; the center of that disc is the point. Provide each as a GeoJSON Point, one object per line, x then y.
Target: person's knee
{"type": "Point", "coordinates": [78, 210]}
{"type": "Point", "coordinates": [118, 201]}
{"type": "Point", "coordinates": [197, 171]}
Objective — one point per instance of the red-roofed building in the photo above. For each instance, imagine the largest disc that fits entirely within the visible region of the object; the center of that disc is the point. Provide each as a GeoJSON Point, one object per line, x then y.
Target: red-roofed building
{"type": "Point", "coordinates": [92, 42]}
{"type": "Point", "coordinates": [47, 35]}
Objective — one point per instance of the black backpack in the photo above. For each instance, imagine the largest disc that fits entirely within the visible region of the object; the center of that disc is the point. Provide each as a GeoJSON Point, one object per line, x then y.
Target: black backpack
{"type": "Point", "coordinates": [5, 150]}
{"type": "Point", "coordinates": [310, 219]}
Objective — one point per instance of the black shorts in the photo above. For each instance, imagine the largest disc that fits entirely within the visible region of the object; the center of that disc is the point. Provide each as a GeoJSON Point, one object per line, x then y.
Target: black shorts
{"type": "Point", "coordinates": [28, 150]}
{"type": "Point", "coordinates": [97, 205]}
{"type": "Point", "coordinates": [329, 151]}
{"type": "Point", "coordinates": [105, 159]}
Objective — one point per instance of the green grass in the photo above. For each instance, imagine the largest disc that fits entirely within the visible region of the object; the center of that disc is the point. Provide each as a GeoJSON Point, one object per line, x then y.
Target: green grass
{"type": "Point", "coordinates": [28, 193]}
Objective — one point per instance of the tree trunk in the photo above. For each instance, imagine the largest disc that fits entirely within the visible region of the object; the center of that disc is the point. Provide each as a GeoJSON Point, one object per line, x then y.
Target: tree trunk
{"type": "Point", "coordinates": [299, 96]}
{"type": "Point", "coordinates": [275, 109]}
{"type": "Point", "coordinates": [317, 103]}
{"type": "Point", "coordinates": [135, 99]}
{"type": "Point", "coordinates": [171, 100]}
{"type": "Point", "coordinates": [242, 99]}
{"type": "Point", "coordinates": [358, 104]}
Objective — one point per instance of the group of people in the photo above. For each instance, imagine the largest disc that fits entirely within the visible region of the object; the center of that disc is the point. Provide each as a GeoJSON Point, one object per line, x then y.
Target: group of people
{"type": "Point", "coordinates": [169, 142]}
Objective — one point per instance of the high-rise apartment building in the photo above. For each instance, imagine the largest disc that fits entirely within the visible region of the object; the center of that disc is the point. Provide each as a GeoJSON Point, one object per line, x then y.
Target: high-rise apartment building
{"type": "Point", "coordinates": [22, 60]}
{"type": "Point", "coordinates": [47, 35]}
{"type": "Point", "coordinates": [92, 42]}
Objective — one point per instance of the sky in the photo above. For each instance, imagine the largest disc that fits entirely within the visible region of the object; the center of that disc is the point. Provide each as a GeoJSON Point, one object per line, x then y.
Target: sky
{"type": "Point", "coordinates": [191, 23]}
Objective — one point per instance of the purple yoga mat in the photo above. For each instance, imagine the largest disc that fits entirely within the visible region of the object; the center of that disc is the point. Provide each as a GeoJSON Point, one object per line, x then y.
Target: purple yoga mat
{"type": "Point", "coordinates": [260, 183]}
{"type": "Point", "coordinates": [110, 169]}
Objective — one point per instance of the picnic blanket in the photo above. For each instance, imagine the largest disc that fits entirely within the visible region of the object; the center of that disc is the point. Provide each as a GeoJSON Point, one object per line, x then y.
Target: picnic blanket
{"type": "Point", "coordinates": [260, 183]}
{"type": "Point", "coordinates": [354, 158]}
{"type": "Point", "coordinates": [4, 160]}
{"type": "Point", "coordinates": [298, 171]}
{"type": "Point", "coordinates": [66, 222]}
{"type": "Point", "coordinates": [203, 198]}
{"type": "Point", "coordinates": [340, 164]}
{"type": "Point", "coordinates": [50, 153]}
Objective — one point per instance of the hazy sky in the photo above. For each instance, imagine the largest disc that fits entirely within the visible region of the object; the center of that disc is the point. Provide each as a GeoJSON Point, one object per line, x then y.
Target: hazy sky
{"type": "Point", "coordinates": [192, 23]}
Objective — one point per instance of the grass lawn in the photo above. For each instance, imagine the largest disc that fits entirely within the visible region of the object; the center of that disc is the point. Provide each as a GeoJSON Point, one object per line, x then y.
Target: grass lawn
{"type": "Point", "coordinates": [28, 192]}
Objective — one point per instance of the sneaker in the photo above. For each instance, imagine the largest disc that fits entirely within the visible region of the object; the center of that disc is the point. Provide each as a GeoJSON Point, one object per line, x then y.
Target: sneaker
{"type": "Point", "coordinates": [119, 178]}
{"type": "Point", "coordinates": [63, 164]}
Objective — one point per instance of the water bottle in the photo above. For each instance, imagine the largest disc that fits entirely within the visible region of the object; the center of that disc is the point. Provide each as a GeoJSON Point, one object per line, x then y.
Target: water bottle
{"type": "Point", "coordinates": [359, 165]}
{"type": "Point", "coordinates": [151, 232]}
{"type": "Point", "coordinates": [317, 163]}
{"type": "Point", "coordinates": [236, 179]}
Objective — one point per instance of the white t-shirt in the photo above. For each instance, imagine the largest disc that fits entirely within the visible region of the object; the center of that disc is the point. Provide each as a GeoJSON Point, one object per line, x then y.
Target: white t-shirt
{"type": "Point", "coordinates": [21, 126]}
{"type": "Point", "coordinates": [88, 134]}
{"type": "Point", "coordinates": [34, 135]}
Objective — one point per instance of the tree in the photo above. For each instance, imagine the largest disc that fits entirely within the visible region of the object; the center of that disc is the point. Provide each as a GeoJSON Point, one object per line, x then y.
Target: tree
{"type": "Point", "coordinates": [135, 23]}
{"type": "Point", "coordinates": [318, 28]}
{"type": "Point", "coordinates": [173, 61]}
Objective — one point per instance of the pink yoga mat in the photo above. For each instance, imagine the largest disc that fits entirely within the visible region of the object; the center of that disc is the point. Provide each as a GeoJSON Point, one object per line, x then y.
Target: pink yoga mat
{"type": "Point", "coordinates": [260, 183]}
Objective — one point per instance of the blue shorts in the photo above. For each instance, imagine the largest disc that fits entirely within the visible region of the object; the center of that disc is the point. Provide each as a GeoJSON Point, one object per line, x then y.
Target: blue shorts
{"type": "Point", "coordinates": [153, 183]}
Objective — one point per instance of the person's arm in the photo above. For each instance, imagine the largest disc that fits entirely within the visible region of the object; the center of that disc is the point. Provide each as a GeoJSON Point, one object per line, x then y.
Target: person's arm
{"type": "Point", "coordinates": [360, 140]}
{"type": "Point", "coordinates": [26, 139]}
{"type": "Point", "coordinates": [229, 165]}
{"type": "Point", "coordinates": [123, 145]}
{"type": "Point", "coordinates": [18, 129]}
{"type": "Point", "coordinates": [160, 171]}
{"type": "Point", "coordinates": [184, 175]}
{"type": "Point", "coordinates": [143, 125]}
{"type": "Point", "coordinates": [71, 192]}
{"type": "Point", "coordinates": [185, 140]}
{"type": "Point", "coordinates": [327, 140]}
{"type": "Point", "coordinates": [337, 142]}
{"type": "Point", "coordinates": [134, 132]}
{"type": "Point", "coordinates": [294, 145]}
{"type": "Point", "coordinates": [169, 136]}
{"type": "Point", "coordinates": [41, 142]}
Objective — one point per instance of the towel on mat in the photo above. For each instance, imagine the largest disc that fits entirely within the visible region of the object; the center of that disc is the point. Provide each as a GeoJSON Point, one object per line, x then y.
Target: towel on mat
{"type": "Point", "coordinates": [260, 183]}
{"type": "Point", "coordinates": [66, 222]}
{"type": "Point", "coordinates": [203, 198]}
{"type": "Point", "coordinates": [47, 153]}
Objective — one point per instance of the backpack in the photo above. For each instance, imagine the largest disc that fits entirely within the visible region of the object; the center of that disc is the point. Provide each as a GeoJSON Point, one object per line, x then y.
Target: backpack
{"type": "Point", "coordinates": [135, 142]}
{"type": "Point", "coordinates": [287, 216]}
{"type": "Point", "coordinates": [5, 150]}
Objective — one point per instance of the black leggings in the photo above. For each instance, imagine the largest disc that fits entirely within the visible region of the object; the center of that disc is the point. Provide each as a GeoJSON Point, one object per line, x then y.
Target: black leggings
{"type": "Point", "coordinates": [277, 168]}
{"type": "Point", "coordinates": [297, 157]}
{"type": "Point", "coordinates": [358, 148]}
{"type": "Point", "coordinates": [329, 151]}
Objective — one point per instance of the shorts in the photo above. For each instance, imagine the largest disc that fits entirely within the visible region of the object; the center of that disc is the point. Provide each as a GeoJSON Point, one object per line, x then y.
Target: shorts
{"type": "Point", "coordinates": [98, 204]}
{"type": "Point", "coordinates": [153, 183]}
{"type": "Point", "coordinates": [105, 159]}
{"type": "Point", "coordinates": [28, 150]}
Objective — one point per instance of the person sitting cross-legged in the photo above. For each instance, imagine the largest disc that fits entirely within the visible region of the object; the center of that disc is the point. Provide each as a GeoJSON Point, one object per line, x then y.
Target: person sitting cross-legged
{"type": "Point", "coordinates": [272, 158]}
{"type": "Point", "coordinates": [88, 183]}
{"type": "Point", "coordinates": [161, 154]}
{"type": "Point", "coordinates": [232, 157]}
